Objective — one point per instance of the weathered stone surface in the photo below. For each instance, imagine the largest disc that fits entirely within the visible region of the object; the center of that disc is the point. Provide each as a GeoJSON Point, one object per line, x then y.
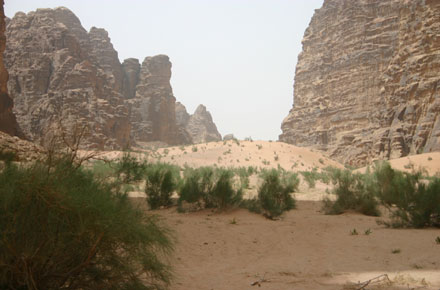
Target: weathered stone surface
{"type": "Point", "coordinates": [131, 69]}
{"type": "Point", "coordinates": [24, 150]}
{"type": "Point", "coordinates": [152, 110]}
{"type": "Point", "coordinates": [56, 77]}
{"type": "Point", "coordinates": [8, 123]}
{"type": "Point", "coordinates": [199, 125]}
{"type": "Point", "coordinates": [367, 81]}
{"type": "Point", "coordinates": [60, 73]}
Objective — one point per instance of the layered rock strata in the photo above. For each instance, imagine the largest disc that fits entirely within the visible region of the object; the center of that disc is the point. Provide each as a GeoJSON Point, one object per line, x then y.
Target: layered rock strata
{"type": "Point", "coordinates": [8, 122]}
{"type": "Point", "coordinates": [63, 76]}
{"type": "Point", "coordinates": [199, 125]}
{"type": "Point", "coordinates": [367, 81]}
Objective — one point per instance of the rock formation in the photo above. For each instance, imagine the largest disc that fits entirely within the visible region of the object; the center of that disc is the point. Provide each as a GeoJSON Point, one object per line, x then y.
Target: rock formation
{"type": "Point", "coordinates": [22, 149]}
{"type": "Point", "coordinates": [367, 81]}
{"type": "Point", "coordinates": [8, 123]}
{"type": "Point", "coordinates": [62, 75]}
{"type": "Point", "coordinates": [199, 125]}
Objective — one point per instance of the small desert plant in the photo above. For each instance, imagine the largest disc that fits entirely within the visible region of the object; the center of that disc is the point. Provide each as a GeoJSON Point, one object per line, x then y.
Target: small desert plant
{"type": "Point", "coordinates": [161, 181]}
{"type": "Point", "coordinates": [253, 205]}
{"type": "Point", "coordinates": [103, 169]}
{"type": "Point", "coordinates": [194, 149]}
{"type": "Point", "coordinates": [310, 177]}
{"type": "Point", "coordinates": [395, 251]}
{"type": "Point", "coordinates": [259, 146]}
{"type": "Point", "coordinates": [352, 193]}
{"type": "Point", "coordinates": [368, 232]}
{"type": "Point", "coordinates": [274, 193]}
{"type": "Point", "coordinates": [354, 232]}
{"type": "Point", "coordinates": [411, 201]}
{"type": "Point", "coordinates": [437, 240]}
{"type": "Point", "coordinates": [129, 169]}
{"type": "Point", "coordinates": [243, 173]}
{"type": "Point", "coordinates": [63, 229]}
{"type": "Point", "coordinates": [196, 186]}
{"type": "Point", "coordinates": [223, 194]}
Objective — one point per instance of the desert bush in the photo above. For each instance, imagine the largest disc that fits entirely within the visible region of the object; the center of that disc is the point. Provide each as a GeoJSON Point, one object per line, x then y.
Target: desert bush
{"type": "Point", "coordinates": [223, 193]}
{"type": "Point", "coordinates": [412, 202]}
{"type": "Point", "coordinates": [243, 174]}
{"type": "Point", "coordinates": [252, 204]}
{"type": "Point", "coordinates": [129, 169]}
{"type": "Point", "coordinates": [62, 229]}
{"type": "Point", "coordinates": [274, 194]}
{"type": "Point", "coordinates": [310, 178]}
{"type": "Point", "coordinates": [161, 181]}
{"type": "Point", "coordinates": [353, 192]}
{"type": "Point", "coordinates": [103, 169]}
{"type": "Point", "coordinates": [209, 188]}
{"type": "Point", "coordinates": [196, 186]}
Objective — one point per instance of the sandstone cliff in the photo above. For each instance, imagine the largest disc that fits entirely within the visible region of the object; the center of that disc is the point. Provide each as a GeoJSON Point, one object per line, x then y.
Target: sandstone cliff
{"type": "Point", "coordinates": [8, 123]}
{"type": "Point", "coordinates": [60, 74]}
{"type": "Point", "coordinates": [199, 125]}
{"type": "Point", "coordinates": [367, 81]}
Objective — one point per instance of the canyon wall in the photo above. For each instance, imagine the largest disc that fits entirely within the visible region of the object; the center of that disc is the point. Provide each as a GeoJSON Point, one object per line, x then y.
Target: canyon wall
{"type": "Point", "coordinates": [8, 124]}
{"type": "Point", "coordinates": [62, 76]}
{"type": "Point", "coordinates": [367, 82]}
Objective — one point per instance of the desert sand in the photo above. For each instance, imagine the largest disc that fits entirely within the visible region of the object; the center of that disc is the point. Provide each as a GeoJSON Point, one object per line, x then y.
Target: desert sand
{"type": "Point", "coordinates": [305, 249]}
{"type": "Point", "coordinates": [262, 154]}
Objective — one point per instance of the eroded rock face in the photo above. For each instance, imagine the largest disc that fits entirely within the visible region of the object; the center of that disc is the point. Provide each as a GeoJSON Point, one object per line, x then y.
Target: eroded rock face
{"type": "Point", "coordinates": [367, 81]}
{"type": "Point", "coordinates": [62, 74]}
{"type": "Point", "coordinates": [8, 123]}
{"type": "Point", "coordinates": [199, 125]}
{"type": "Point", "coordinates": [153, 114]}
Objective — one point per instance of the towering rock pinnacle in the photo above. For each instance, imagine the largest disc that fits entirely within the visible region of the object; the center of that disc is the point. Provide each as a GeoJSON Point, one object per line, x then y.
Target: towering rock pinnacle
{"type": "Point", "coordinates": [367, 81]}
{"type": "Point", "coordinates": [153, 115]}
{"type": "Point", "coordinates": [8, 124]}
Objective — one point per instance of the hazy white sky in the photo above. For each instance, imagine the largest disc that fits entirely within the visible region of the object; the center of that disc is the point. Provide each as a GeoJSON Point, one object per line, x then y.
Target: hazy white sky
{"type": "Point", "coordinates": [237, 57]}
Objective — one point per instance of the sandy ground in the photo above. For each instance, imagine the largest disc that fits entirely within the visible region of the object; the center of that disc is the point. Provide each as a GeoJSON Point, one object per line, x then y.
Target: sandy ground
{"type": "Point", "coordinates": [430, 162]}
{"type": "Point", "coordinates": [261, 154]}
{"type": "Point", "coordinates": [305, 249]}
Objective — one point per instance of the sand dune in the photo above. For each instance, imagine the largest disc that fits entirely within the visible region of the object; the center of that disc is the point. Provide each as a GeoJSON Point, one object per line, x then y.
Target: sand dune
{"type": "Point", "coordinates": [429, 162]}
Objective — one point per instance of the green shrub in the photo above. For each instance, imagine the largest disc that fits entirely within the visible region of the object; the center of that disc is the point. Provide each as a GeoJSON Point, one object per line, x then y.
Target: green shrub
{"type": "Point", "coordinates": [196, 186]}
{"type": "Point", "coordinates": [310, 177]}
{"type": "Point", "coordinates": [161, 181]}
{"type": "Point", "coordinates": [209, 188]}
{"type": "Point", "coordinates": [274, 193]}
{"type": "Point", "coordinates": [61, 229]}
{"type": "Point", "coordinates": [411, 201]}
{"type": "Point", "coordinates": [353, 193]}
{"type": "Point", "coordinates": [223, 194]}
{"type": "Point", "coordinates": [103, 169]}
{"type": "Point", "coordinates": [253, 205]}
{"type": "Point", "coordinates": [129, 169]}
